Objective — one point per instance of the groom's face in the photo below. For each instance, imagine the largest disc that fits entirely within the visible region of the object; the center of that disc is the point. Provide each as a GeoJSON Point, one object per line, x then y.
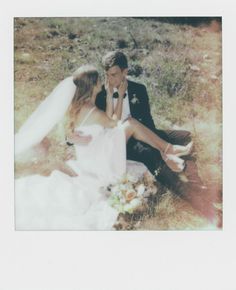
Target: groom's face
{"type": "Point", "coordinates": [116, 75]}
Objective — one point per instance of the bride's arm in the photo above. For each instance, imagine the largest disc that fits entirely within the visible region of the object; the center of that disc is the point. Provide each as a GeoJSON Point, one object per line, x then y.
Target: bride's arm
{"type": "Point", "coordinates": [101, 118]}
{"type": "Point", "coordinates": [73, 137]}
{"type": "Point", "coordinates": [109, 100]}
{"type": "Point", "coordinates": [119, 106]}
{"type": "Point", "coordinates": [118, 109]}
{"type": "Point", "coordinates": [78, 138]}
{"type": "Point", "coordinates": [109, 106]}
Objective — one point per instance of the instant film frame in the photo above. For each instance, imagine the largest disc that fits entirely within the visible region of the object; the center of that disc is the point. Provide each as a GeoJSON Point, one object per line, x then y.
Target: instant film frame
{"type": "Point", "coordinates": [59, 260]}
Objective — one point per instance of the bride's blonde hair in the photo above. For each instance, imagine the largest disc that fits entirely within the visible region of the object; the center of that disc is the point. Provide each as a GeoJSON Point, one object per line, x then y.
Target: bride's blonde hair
{"type": "Point", "coordinates": [85, 78]}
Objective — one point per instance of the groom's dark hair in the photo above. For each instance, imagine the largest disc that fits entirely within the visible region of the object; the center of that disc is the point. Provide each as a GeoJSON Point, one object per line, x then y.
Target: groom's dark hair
{"type": "Point", "coordinates": [115, 58]}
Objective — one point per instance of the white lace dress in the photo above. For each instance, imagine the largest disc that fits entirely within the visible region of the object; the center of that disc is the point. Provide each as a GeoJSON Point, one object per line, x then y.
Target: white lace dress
{"type": "Point", "coordinates": [61, 202]}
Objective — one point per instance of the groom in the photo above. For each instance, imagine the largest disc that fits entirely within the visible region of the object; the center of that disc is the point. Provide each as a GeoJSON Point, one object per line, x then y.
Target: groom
{"type": "Point", "coordinates": [134, 101]}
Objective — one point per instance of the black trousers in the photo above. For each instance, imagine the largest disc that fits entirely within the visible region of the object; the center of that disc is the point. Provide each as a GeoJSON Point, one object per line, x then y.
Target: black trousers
{"type": "Point", "coordinates": [139, 151]}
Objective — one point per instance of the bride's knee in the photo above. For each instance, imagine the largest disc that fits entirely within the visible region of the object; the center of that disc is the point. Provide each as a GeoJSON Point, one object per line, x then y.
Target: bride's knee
{"type": "Point", "coordinates": [129, 126]}
{"type": "Point", "coordinates": [130, 122]}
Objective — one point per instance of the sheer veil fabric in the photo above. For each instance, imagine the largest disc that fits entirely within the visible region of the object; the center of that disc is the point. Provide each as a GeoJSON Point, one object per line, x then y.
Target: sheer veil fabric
{"type": "Point", "coordinates": [45, 117]}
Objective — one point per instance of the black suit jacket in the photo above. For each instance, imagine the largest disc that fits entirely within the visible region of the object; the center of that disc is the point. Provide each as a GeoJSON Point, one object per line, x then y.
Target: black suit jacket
{"type": "Point", "coordinates": [138, 101]}
{"type": "Point", "coordinates": [142, 152]}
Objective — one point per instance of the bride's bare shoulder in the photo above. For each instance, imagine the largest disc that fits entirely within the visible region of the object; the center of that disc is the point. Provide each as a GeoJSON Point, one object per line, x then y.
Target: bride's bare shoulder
{"type": "Point", "coordinates": [86, 107]}
{"type": "Point", "coordinates": [85, 116]}
{"type": "Point", "coordinates": [84, 110]}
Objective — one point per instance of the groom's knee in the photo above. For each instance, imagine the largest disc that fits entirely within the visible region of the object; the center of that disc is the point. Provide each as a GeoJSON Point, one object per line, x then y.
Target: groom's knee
{"type": "Point", "coordinates": [180, 137]}
{"type": "Point", "coordinates": [187, 136]}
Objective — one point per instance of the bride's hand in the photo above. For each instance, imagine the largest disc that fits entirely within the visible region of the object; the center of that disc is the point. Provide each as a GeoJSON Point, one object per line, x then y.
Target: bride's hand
{"type": "Point", "coordinates": [109, 89]}
{"type": "Point", "coordinates": [122, 88]}
{"type": "Point", "coordinates": [78, 138]}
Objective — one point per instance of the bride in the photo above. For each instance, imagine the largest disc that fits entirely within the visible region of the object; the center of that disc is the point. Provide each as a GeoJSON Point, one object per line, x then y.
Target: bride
{"type": "Point", "coordinates": [62, 202]}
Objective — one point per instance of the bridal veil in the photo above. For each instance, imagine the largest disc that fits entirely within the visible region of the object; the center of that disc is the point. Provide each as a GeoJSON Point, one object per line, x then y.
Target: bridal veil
{"type": "Point", "coordinates": [45, 117]}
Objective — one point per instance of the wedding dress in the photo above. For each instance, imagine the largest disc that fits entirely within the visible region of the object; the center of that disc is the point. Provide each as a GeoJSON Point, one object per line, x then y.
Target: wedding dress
{"type": "Point", "coordinates": [61, 202]}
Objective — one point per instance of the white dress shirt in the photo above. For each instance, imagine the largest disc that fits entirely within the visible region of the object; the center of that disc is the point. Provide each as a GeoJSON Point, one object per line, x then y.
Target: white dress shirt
{"type": "Point", "coordinates": [126, 108]}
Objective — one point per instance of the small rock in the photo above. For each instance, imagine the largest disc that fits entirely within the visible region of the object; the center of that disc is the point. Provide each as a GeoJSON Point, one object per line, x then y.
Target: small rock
{"type": "Point", "coordinates": [133, 54]}
{"type": "Point", "coordinates": [103, 20]}
{"type": "Point", "coordinates": [135, 70]}
{"type": "Point", "coordinates": [166, 43]}
{"type": "Point", "coordinates": [145, 51]}
{"type": "Point", "coordinates": [202, 80]}
{"type": "Point", "coordinates": [72, 35]}
{"type": "Point", "coordinates": [194, 68]}
{"type": "Point", "coordinates": [157, 41]}
{"type": "Point", "coordinates": [71, 48]}
{"type": "Point", "coordinates": [34, 78]}
{"type": "Point", "coordinates": [214, 77]}
{"type": "Point", "coordinates": [25, 55]}
{"type": "Point", "coordinates": [121, 43]}
{"type": "Point", "coordinates": [183, 177]}
{"type": "Point", "coordinates": [54, 33]}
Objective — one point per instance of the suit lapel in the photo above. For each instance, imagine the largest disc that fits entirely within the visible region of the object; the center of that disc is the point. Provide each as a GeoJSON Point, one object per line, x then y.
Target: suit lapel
{"type": "Point", "coordinates": [130, 94]}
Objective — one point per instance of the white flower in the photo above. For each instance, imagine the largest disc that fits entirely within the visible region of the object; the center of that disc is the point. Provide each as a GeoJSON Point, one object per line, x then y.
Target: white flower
{"type": "Point", "coordinates": [140, 189]}
{"type": "Point", "coordinates": [130, 194]}
{"type": "Point", "coordinates": [123, 200]}
{"type": "Point", "coordinates": [134, 100]}
{"type": "Point", "coordinates": [123, 187]}
{"type": "Point", "coordinates": [135, 202]}
{"type": "Point", "coordinates": [116, 190]}
{"type": "Point", "coordinates": [132, 205]}
{"type": "Point", "coordinates": [128, 208]}
{"type": "Point", "coordinates": [132, 178]}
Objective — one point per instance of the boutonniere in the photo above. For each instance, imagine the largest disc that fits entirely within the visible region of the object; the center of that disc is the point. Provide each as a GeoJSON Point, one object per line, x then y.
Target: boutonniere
{"type": "Point", "coordinates": [134, 99]}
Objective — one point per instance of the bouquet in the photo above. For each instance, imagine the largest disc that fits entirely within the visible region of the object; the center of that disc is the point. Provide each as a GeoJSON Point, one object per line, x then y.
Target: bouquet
{"type": "Point", "coordinates": [130, 194]}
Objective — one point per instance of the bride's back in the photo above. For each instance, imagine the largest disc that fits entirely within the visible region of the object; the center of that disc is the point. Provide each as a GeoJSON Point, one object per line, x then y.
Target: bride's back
{"type": "Point", "coordinates": [85, 115]}
{"type": "Point", "coordinates": [90, 115]}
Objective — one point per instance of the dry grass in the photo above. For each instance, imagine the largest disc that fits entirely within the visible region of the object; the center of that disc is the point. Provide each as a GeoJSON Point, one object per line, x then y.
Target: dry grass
{"type": "Point", "coordinates": [172, 213]}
